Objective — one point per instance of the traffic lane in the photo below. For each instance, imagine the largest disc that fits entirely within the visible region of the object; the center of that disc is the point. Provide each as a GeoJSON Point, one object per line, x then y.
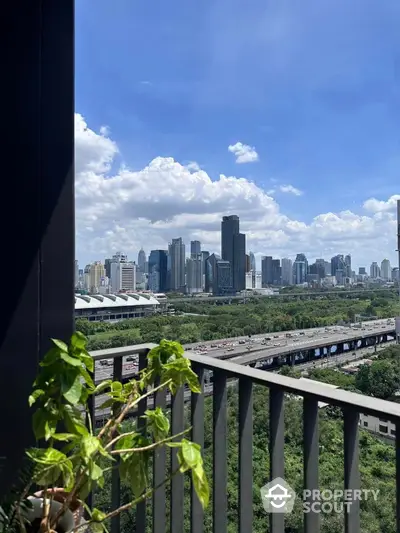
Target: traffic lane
{"type": "Point", "coordinates": [283, 350]}
{"type": "Point", "coordinates": [379, 322]}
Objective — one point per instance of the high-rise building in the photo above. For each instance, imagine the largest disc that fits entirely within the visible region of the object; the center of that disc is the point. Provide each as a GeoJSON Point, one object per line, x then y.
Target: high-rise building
{"type": "Point", "coordinates": [218, 276]}
{"type": "Point", "coordinates": [176, 263]}
{"type": "Point", "coordinates": [287, 271]}
{"type": "Point", "coordinates": [96, 276]}
{"type": "Point", "coordinates": [252, 262]}
{"type": "Point", "coordinates": [194, 274]}
{"type": "Point", "coordinates": [386, 270]}
{"type": "Point", "coordinates": [76, 273]}
{"type": "Point", "coordinates": [266, 271]}
{"type": "Point", "coordinates": [338, 263]}
{"type": "Point", "coordinates": [142, 259]}
{"type": "Point", "coordinates": [276, 272]}
{"type": "Point", "coordinates": [195, 248]}
{"type": "Point", "coordinates": [107, 267]}
{"type": "Point", "coordinates": [204, 256]}
{"type": "Point", "coordinates": [233, 249]}
{"type": "Point", "coordinates": [123, 276]}
{"type": "Point", "coordinates": [348, 269]}
{"type": "Point", "coordinates": [374, 271]}
{"type": "Point", "coordinates": [157, 267]}
{"type": "Point", "coordinates": [362, 271]}
{"type": "Point", "coordinates": [300, 269]}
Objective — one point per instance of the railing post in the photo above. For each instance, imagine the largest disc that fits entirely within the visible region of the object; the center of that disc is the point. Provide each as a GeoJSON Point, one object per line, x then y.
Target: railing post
{"type": "Point", "coordinates": [197, 421]}
{"type": "Point", "coordinates": [276, 449]}
{"type": "Point", "coordinates": [159, 471]}
{"type": "Point", "coordinates": [115, 479]}
{"type": "Point", "coordinates": [177, 482]}
{"type": "Point", "coordinates": [141, 425]}
{"type": "Point", "coordinates": [245, 455]}
{"type": "Point", "coordinates": [220, 499]}
{"type": "Point", "coordinates": [311, 457]}
{"type": "Point", "coordinates": [351, 468]}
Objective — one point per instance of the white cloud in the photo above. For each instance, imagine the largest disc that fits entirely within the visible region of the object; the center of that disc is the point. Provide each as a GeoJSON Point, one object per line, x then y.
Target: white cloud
{"type": "Point", "coordinates": [290, 190]}
{"type": "Point", "coordinates": [379, 206]}
{"type": "Point", "coordinates": [243, 153]}
{"type": "Point", "coordinates": [121, 210]}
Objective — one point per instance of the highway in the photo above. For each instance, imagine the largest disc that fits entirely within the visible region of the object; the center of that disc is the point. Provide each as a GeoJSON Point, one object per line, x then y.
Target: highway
{"type": "Point", "coordinates": [249, 294]}
{"type": "Point", "coordinates": [245, 351]}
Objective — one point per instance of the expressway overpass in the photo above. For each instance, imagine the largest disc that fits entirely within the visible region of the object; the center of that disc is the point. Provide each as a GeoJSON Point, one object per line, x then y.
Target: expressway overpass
{"type": "Point", "coordinates": [300, 295]}
{"type": "Point", "coordinates": [287, 350]}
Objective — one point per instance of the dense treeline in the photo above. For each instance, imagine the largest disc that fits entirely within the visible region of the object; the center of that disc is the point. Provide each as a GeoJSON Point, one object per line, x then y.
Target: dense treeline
{"type": "Point", "coordinates": [222, 321]}
{"type": "Point", "coordinates": [377, 463]}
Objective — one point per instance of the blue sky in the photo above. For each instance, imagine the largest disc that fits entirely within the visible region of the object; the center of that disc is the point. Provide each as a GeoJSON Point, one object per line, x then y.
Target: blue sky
{"type": "Point", "coordinates": [314, 86]}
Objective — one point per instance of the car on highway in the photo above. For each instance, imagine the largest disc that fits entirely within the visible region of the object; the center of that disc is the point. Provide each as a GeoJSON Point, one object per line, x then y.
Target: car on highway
{"type": "Point", "coordinates": [131, 358]}
{"type": "Point", "coordinates": [105, 362]}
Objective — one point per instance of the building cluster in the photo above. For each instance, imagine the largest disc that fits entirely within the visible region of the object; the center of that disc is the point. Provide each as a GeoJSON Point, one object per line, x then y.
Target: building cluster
{"type": "Point", "coordinates": [227, 273]}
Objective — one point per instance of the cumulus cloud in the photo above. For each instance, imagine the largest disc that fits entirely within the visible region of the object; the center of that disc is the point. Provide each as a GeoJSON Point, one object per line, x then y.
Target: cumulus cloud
{"type": "Point", "coordinates": [121, 209]}
{"type": "Point", "coordinates": [243, 153]}
{"type": "Point", "coordinates": [290, 190]}
{"type": "Point", "coordinates": [379, 206]}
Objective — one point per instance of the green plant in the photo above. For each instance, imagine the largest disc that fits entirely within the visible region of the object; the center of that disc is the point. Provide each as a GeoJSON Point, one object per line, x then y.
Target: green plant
{"type": "Point", "coordinates": [73, 456]}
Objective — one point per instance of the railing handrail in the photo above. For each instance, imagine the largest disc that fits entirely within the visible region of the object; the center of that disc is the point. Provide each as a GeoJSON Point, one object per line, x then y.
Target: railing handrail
{"type": "Point", "coordinates": [317, 391]}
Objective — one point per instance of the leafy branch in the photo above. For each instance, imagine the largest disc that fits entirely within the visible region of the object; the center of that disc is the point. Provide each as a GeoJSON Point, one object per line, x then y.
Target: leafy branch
{"type": "Point", "coordinates": [76, 458]}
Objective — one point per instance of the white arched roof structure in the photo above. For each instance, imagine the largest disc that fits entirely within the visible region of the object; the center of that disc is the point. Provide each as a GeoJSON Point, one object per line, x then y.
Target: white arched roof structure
{"type": "Point", "coordinates": [103, 301]}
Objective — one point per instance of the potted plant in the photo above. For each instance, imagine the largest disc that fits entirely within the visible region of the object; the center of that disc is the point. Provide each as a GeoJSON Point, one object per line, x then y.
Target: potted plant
{"type": "Point", "coordinates": [73, 457]}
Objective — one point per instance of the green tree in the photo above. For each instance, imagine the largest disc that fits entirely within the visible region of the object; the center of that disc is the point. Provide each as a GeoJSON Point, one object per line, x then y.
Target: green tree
{"type": "Point", "coordinates": [381, 379]}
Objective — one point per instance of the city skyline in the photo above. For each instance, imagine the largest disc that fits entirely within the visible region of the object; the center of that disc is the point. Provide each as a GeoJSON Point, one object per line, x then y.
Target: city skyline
{"type": "Point", "coordinates": [302, 144]}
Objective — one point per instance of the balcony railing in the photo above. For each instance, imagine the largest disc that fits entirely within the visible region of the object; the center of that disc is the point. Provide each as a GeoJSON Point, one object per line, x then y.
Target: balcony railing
{"type": "Point", "coordinates": [223, 373]}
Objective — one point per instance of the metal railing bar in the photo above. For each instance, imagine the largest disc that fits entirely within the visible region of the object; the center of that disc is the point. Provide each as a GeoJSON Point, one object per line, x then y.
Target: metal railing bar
{"type": "Point", "coordinates": [220, 470]}
{"type": "Point", "coordinates": [276, 449]}
{"type": "Point", "coordinates": [351, 468]}
{"type": "Point", "coordinates": [115, 479]}
{"type": "Point", "coordinates": [141, 424]}
{"type": "Point", "coordinates": [197, 422]}
{"type": "Point", "coordinates": [159, 473]}
{"type": "Point", "coordinates": [177, 482]}
{"type": "Point", "coordinates": [245, 455]}
{"type": "Point", "coordinates": [311, 459]}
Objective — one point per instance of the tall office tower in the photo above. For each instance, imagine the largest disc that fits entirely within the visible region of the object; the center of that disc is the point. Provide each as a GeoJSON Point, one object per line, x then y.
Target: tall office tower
{"type": "Point", "coordinates": [362, 271]}
{"type": "Point", "coordinates": [233, 249]}
{"type": "Point", "coordinates": [195, 248]}
{"type": "Point", "coordinates": [157, 267]}
{"type": "Point", "coordinates": [337, 263]}
{"type": "Point", "coordinates": [320, 265]}
{"type": "Point", "coordinates": [276, 272]}
{"type": "Point", "coordinates": [204, 256]}
{"type": "Point", "coordinates": [194, 274]}
{"type": "Point", "coordinates": [347, 262]}
{"type": "Point", "coordinates": [328, 268]}
{"type": "Point", "coordinates": [300, 269]}
{"type": "Point", "coordinates": [266, 271]}
{"type": "Point", "coordinates": [374, 270]}
{"type": "Point", "coordinates": [287, 271]}
{"type": "Point", "coordinates": [123, 276]}
{"type": "Point", "coordinates": [218, 276]}
{"type": "Point", "coordinates": [252, 262]}
{"type": "Point", "coordinates": [97, 275]}
{"type": "Point", "coordinates": [386, 270]}
{"type": "Point", "coordinates": [119, 257]}
{"type": "Point", "coordinates": [141, 264]}
{"type": "Point", "coordinates": [247, 263]}
{"type": "Point", "coordinates": [107, 267]}
{"type": "Point", "coordinates": [176, 254]}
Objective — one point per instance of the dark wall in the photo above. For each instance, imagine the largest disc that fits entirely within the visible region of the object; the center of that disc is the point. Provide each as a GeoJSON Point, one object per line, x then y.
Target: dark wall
{"type": "Point", "coordinates": [37, 214]}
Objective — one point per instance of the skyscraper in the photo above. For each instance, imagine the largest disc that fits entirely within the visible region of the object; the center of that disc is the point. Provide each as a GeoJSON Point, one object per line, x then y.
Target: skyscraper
{"type": "Point", "coordinates": [252, 261]}
{"type": "Point", "coordinates": [158, 260]}
{"type": "Point", "coordinates": [266, 271]}
{"type": "Point", "coordinates": [386, 270]}
{"type": "Point", "coordinates": [374, 270]}
{"type": "Point", "coordinates": [347, 262]}
{"type": "Point", "coordinates": [142, 261]}
{"type": "Point", "coordinates": [195, 248]}
{"type": "Point", "coordinates": [287, 271]}
{"type": "Point", "coordinates": [300, 269]}
{"type": "Point", "coordinates": [233, 249]}
{"type": "Point", "coordinates": [176, 252]}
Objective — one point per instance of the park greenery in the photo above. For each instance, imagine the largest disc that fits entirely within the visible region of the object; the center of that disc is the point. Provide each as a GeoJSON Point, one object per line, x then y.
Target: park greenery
{"type": "Point", "coordinates": [377, 461]}
{"type": "Point", "coordinates": [76, 458]}
{"type": "Point", "coordinates": [212, 321]}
